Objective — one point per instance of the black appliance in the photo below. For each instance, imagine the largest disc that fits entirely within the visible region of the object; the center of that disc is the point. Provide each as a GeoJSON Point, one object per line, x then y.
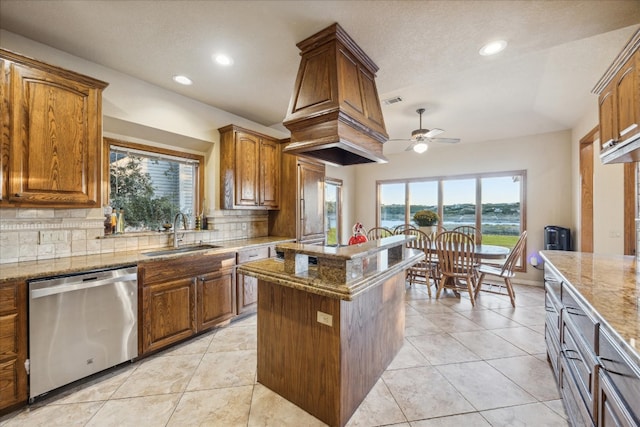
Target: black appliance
{"type": "Point", "coordinates": [557, 238]}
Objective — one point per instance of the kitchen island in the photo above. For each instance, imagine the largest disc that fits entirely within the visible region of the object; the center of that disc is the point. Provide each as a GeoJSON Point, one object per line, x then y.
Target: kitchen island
{"type": "Point", "coordinates": [330, 320]}
{"type": "Point", "coordinates": [592, 332]}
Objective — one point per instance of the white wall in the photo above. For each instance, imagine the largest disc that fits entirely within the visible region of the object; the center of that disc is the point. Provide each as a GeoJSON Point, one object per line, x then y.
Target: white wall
{"type": "Point", "coordinates": [546, 158]}
{"type": "Point", "coordinates": [608, 192]}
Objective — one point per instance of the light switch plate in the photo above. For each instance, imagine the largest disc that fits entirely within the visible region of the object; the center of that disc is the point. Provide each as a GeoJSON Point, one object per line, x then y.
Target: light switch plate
{"type": "Point", "coordinates": [325, 318]}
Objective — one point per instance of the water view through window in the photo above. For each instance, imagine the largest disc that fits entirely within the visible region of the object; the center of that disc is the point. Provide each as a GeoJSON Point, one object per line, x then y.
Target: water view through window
{"type": "Point", "coordinates": [500, 196]}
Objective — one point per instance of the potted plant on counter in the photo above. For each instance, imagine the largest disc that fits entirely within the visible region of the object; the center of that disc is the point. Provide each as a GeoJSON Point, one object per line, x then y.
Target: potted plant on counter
{"type": "Point", "coordinates": [427, 221]}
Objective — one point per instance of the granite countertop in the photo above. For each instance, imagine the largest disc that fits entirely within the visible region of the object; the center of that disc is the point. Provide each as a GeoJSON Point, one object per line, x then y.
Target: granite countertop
{"type": "Point", "coordinates": [67, 265]}
{"type": "Point", "coordinates": [610, 285]}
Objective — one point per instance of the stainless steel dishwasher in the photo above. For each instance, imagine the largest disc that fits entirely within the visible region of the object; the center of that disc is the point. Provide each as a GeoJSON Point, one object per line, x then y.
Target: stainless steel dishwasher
{"type": "Point", "coordinates": [81, 324]}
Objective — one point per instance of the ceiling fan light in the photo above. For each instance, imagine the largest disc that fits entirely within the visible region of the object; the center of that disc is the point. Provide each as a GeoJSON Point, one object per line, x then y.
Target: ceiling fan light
{"type": "Point", "coordinates": [420, 147]}
{"type": "Point", "coordinates": [493, 48]}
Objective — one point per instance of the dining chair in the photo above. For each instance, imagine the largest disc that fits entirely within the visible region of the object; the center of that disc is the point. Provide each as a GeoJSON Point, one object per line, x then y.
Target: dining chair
{"type": "Point", "coordinates": [400, 229]}
{"type": "Point", "coordinates": [423, 271]}
{"type": "Point", "coordinates": [505, 273]}
{"type": "Point", "coordinates": [472, 231]}
{"type": "Point", "coordinates": [376, 233]}
{"type": "Point", "coordinates": [457, 263]}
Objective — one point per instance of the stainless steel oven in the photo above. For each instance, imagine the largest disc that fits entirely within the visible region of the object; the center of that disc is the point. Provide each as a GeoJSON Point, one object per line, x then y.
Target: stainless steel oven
{"type": "Point", "coordinates": [81, 324]}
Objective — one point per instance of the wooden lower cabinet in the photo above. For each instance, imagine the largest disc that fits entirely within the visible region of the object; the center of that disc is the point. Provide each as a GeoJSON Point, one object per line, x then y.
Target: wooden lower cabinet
{"type": "Point", "coordinates": [168, 313]}
{"type": "Point", "coordinates": [183, 296]}
{"type": "Point", "coordinates": [13, 345]}
{"type": "Point", "coordinates": [216, 298]}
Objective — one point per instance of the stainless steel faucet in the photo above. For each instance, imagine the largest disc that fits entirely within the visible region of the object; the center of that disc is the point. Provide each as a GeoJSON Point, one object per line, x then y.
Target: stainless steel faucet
{"type": "Point", "coordinates": [175, 227]}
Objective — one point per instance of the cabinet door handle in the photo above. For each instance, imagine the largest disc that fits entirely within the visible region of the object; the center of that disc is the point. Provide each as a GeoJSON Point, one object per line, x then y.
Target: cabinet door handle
{"type": "Point", "coordinates": [253, 255]}
{"type": "Point", "coordinates": [18, 195]}
{"type": "Point", "coordinates": [301, 209]}
{"type": "Point", "coordinates": [566, 352]}
{"type": "Point", "coordinates": [602, 365]}
{"type": "Point", "coordinates": [574, 311]}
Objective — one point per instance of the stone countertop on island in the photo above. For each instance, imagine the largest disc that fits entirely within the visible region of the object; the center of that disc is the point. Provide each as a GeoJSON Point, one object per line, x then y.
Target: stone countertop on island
{"type": "Point", "coordinates": [609, 284]}
{"type": "Point", "coordinates": [341, 272]}
{"type": "Point", "coordinates": [68, 265]}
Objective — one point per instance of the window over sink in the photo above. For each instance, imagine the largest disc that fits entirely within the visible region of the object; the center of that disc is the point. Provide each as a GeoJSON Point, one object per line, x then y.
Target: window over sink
{"type": "Point", "coordinates": [152, 184]}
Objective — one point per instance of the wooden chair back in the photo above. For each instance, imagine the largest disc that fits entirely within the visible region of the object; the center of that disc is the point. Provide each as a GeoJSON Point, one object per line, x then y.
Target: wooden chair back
{"type": "Point", "coordinates": [456, 253]}
{"type": "Point", "coordinates": [400, 229]}
{"type": "Point", "coordinates": [376, 233]}
{"type": "Point", "coordinates": [472, 231]}
{"type": "Point", "coordinates": [515, 253]}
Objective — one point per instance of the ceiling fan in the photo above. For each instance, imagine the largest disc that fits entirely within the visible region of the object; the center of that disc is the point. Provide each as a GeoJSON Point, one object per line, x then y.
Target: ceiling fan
{"type": "Point", "coordinates": [420, 137]}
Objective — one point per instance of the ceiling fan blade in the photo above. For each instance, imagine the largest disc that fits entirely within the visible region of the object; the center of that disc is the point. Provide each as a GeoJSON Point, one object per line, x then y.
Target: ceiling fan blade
{"type": "Point", "coordinates": [445, 140]}
{"type": "Point", "coordinates": [410, 147]}
{"type": "Point", "coordinates": [433, 132]}
{"type": "Point", "coordinates": [399, 140]}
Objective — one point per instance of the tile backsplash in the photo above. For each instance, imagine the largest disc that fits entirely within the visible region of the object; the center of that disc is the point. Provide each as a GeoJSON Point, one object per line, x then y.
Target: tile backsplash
{"type": "Point", "coordinates": [37, 234]}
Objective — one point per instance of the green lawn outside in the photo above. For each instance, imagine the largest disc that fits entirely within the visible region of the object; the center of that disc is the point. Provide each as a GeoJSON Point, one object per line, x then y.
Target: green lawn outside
{"type": "Point", "coordinates": [499, 240]}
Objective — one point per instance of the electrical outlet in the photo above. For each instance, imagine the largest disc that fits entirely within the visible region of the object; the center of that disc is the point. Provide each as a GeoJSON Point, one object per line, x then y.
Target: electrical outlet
{"type": "Point", "coordinates": [244, 226]}
{"type": "Point", "coordinates": [325, 318]}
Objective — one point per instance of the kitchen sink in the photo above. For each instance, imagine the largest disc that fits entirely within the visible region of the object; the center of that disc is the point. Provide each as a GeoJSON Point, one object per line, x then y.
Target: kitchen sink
{"type": "Point", "coordinates": [181, 250]}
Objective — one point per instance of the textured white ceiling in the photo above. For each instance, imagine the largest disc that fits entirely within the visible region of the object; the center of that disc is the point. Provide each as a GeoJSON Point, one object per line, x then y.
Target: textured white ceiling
{"type": "Point", "coordinates": [427, 52]}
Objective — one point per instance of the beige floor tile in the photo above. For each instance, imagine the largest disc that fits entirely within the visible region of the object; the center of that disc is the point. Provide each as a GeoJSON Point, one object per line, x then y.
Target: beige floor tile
{"type": "Point", "coordinates": [378, 408]}
{"type": "Point", "coordinates": [159, 375]}
{"type": "Point", "coordinates": [430, 306]}
{"type": "Point", "coordinates": [224, 369]}
{"type": "Point", "coordinates": [531, 374]}
{"type": "Point", "coordinates": [467, 420]}
{"type": "Point", "coordinates": [440, 349]}
{"type": "Point", "coordinates": [73, 414]}
{"type": "Point", "coordinates": [489, 319]}
{"type": "Point", "coordinates": [524, 315]}
{"type": "Point", "coordinates": [419, 325]}
{"type": "Point", "coordinates": [536, 414]}
{"type": "Point", "coordinates": [484, 386]}
{"type": "Point", "coordinates": [147, 411]}
{"type": "Point", "coordinates": [525, 338]}
{"type": "Point", "coordinates": [197, 345]}
{"type": "Point", "coordinates": [486, 344]}
{"type": "Point", "coordinates": [236, 338]}
{"type": "Point", "coordinates": [98, 389]}
{"type": "Point", "coordinates": [269, 409]}
{"type": "Point", "coordinates": [453, 322]}
{"type": "Point", "coordinates": [557, 406]}
{"type": "Point", "coordinates": [227, 407]}
{"type": "Point", "coordinates": [248, 320]}
{"type": "Point", "coordinates": [408, 357]}
{"type": "Point", "coordinates": [424, 393]}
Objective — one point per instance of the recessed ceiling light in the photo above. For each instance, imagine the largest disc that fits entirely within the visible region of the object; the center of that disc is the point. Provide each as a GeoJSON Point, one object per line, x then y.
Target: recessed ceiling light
{"type": "Point", "coordinates": [493, 47]}
{"type": "Point", "coordinates": [183, 80]}
{"type": "Point", "coordinates": [223, 59]}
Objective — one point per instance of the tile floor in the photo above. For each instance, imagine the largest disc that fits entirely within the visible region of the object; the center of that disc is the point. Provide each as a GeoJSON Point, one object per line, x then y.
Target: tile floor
{"type": "Point", "coordinates": [460, 366]}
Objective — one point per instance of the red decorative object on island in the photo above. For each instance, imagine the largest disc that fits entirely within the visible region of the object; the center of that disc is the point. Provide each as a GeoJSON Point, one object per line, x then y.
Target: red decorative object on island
{"type": "Point", "coordinates": [359, 235]}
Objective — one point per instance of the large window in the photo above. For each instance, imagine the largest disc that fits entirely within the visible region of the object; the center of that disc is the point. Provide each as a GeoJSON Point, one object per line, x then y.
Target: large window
{"type": "Point", "coordinates": [152, 185]}
{"type": "Point", "coordinates": [500, 196]}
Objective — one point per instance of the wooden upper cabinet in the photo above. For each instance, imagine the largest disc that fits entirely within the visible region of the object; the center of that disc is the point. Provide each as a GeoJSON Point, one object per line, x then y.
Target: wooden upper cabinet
{"type": "Point", "coordinates": [53, 128]}
{"type": "Point", "coordinates": [619, 106]}
{"type": "Point", "coordinates": [249, 169]}
{"type": "Point", "coordinates": [627, 90]}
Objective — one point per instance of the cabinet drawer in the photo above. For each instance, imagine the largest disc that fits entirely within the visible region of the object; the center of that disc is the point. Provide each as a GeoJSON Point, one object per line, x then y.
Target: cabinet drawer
{"type": "Point", "coordinates": [8, 335]}
{"type": "Point", "coordinates": [552, 341]}
{"type": "Point", "coordinates": [183, 267]}
{"type": "Point", "coordinates": [586, 326]}
{"type": "Point", "coordinates": [612, 409]}
{"type": "Point", "coordinates": [552, 308]}
{"type": "Point", "coordinates": [573, 402]}
{"type": "Point", "coordinates": [8, 298]}
{"type": "Point", "coordinates": [581, 362]}
{"type": "Point", "coordinates": [623, 375]}
{"type": "Point", "coordinates": [253, 254]}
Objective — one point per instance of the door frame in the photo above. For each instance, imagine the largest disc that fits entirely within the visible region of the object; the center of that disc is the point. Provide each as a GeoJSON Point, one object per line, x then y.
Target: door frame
{"type": "Point", "coordinates": [586, 189]}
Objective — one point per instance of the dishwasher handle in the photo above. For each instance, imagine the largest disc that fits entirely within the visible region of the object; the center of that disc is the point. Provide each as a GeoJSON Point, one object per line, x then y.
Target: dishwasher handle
{"type": "Point", "coordinates": [60, 289]}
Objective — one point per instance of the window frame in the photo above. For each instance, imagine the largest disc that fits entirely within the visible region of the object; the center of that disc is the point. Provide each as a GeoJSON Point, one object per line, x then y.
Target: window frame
{"type": "Point", "coordinates": [338, 184]}
{"type": "Point", "coordinates": [522, 264]}
{"type": "Point", "coordinates": [106, 150]}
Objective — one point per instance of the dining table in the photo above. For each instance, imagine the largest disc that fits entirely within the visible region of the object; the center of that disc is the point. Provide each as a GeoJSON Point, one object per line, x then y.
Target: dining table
{"type": "Point", "coordinates": [483, 251]}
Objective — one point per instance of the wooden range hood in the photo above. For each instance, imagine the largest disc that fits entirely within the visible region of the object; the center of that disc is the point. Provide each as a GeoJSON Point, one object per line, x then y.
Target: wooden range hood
{"type": "Point", "coordinates": [334, 114]}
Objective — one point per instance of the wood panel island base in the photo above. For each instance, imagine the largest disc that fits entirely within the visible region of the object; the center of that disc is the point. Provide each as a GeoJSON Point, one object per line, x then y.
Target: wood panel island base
{"type": "Point", "coordinates": [327, 333]}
